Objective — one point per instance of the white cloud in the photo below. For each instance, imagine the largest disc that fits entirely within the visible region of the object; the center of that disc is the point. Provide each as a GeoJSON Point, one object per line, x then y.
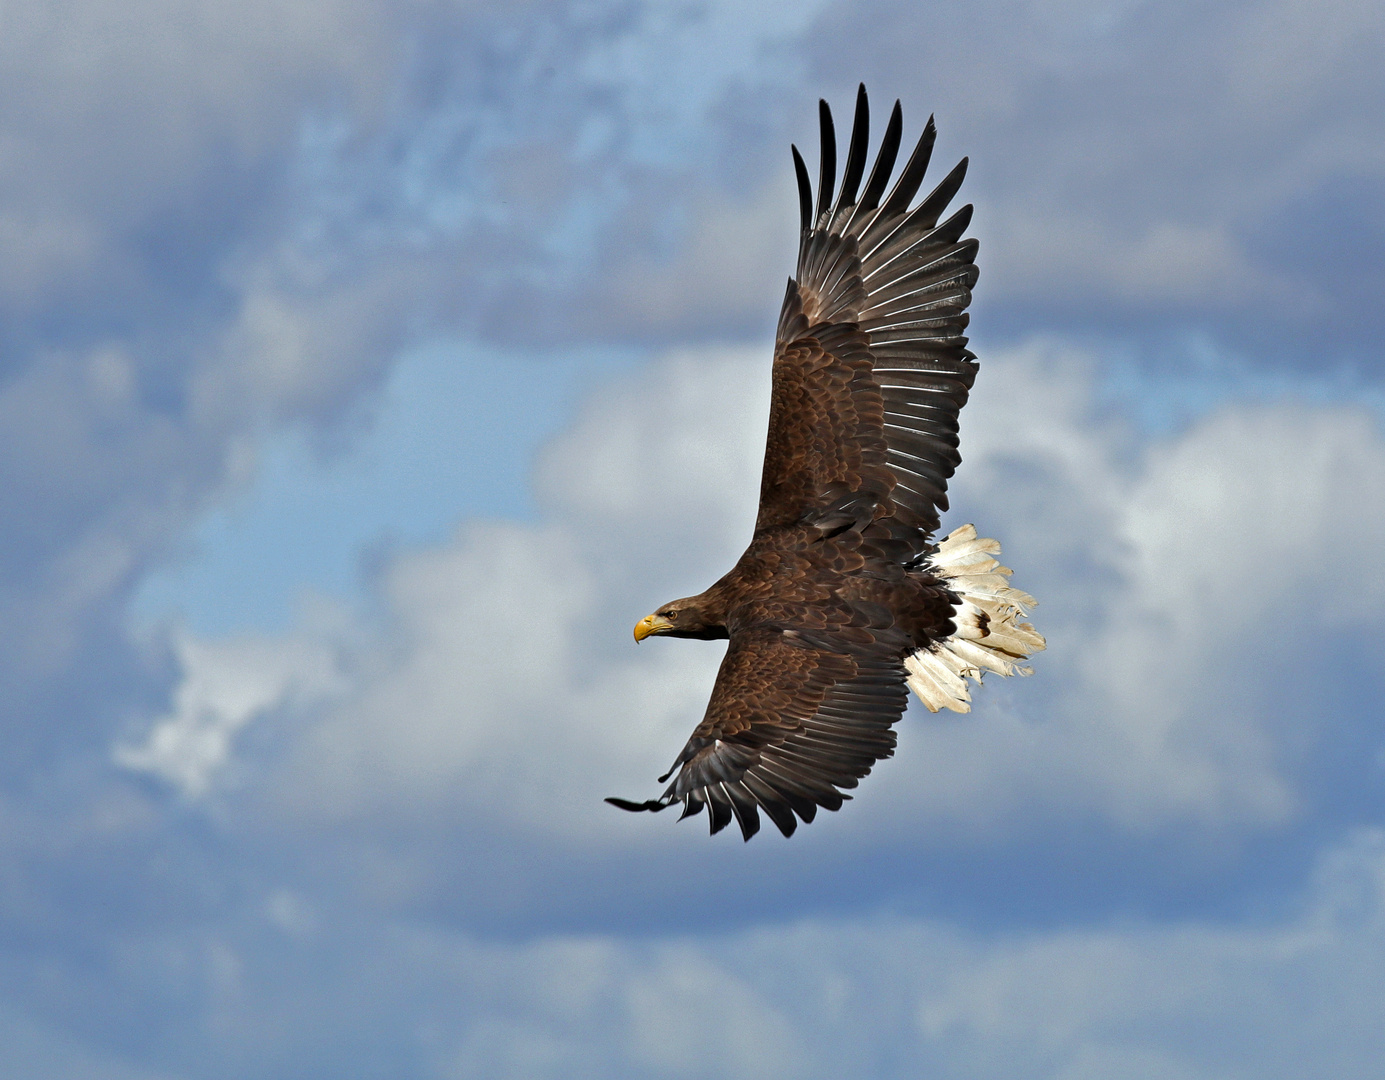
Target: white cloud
{"type": "Point", "coordinates": [1171, 577]}
{"type": "Point", "coordinates": [227, 685]}
{"type": "Point", "coordinates": [674, 999]}
{"type": "Point", "coordinates": [231, 218]}
{"type": "Point", "coordinates": [187, 288]}
{"type": "Point", "coordinates": [1185, 572]}
{"type": "Point", "coordinates": [504, 674]}
{"type": "Point", "coordinates": [143, 147]}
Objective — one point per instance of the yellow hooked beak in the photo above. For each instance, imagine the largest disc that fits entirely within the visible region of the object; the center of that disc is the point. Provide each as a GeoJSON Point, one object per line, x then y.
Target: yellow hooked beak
{"type": "Point", "coordinates": [651, 624]}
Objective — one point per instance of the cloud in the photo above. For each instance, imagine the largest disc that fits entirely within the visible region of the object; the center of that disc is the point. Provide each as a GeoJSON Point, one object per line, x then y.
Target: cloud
{"type": "Point", "coordinates": [145, 149]}
{"type": "Point", "coordinates": [669, 1019]}
{"type": "Point", "coordinates": [1172, 573]}
{"type": "Point", "coordinates": [733, 261]}
{"type": "Point", "coordinates": [1172, 576]}
{"type": "Point", "coordinates": [116, 113]}
{"type": "Point", "coordinates": [887, 997]}
{"type": "Point", "coordinates": [1170, 263]}
{"type": "Point", "coordinates": [233, 683]}
{"type": "Point", "coordinates": [1292, 992]}
{"type": "Point", "coordinates": [253, 244]}
{"type": "Point", "coordinates": [1174, 1001]}
{"type": "Point", "coordinates": [1151, 166]}
{"type": "Point", "coordinates": [222, 223]}
{"type": "Point", "coordinates": [254, 220]}
{"type": "Point", "coordinates": [270, 853]}
{"type": "Point", "coordinates": [481, 637]}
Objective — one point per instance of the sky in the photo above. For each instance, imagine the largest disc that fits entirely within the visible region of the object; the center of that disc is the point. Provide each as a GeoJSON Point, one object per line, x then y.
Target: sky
{"type": "Point", "coordinates": [368, 369]}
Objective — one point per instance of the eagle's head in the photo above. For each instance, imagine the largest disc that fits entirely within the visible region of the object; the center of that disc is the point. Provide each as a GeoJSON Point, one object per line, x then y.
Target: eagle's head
{"type": "Point", "coordinates": [687, 618]}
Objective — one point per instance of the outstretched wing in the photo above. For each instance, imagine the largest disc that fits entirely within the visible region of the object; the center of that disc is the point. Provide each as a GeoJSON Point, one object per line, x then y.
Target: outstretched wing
{"type": "Point", "coordinates": [795, 715]}
{"type": "Point", "coordinates": [871, 366]}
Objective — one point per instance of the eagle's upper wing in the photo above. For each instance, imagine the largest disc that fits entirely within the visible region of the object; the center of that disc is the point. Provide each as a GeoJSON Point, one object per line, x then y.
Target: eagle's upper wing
{"type": "Point", "coordinates": [794, 715]}
{"type": "Point", "coordinates": [871, 366]}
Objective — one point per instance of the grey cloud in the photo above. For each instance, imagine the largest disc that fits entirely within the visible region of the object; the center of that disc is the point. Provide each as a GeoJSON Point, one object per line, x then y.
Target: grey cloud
{"type": "Point", "coordinates": [1147, 170]}
{"type": "Point", "coordinates": [174, 286]}
{"type": "Point", "coordinates": [140, 146]}
{"type": "Point", "coordinates": [1295, 993]}
{"type": "Point", "coordinates": [118, 115]}
{"type": "Point", "coordinates": [1144, 168]}
{"type": "Point", "coordinates": [224, 221]}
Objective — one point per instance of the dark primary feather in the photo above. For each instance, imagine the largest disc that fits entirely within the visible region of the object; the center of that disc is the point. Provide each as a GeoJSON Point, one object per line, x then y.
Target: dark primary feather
{"type": "Point", "coordinates": [905, 281]}
{"type": "Point", "coordinates": [805, 189]}
{"type": "Point", "coordinates": [871, 370]}
{"type": "Point", "coordinates": [880, 173]}
{"type": "Point", "coordinates": [827, 174]}
{"type": "Point", "coordinates": [856, 156]}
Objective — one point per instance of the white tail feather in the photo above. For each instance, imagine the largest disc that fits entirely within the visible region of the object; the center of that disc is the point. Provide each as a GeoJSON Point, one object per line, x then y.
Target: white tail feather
{"type": "Point", "coordinates": [989, 635]}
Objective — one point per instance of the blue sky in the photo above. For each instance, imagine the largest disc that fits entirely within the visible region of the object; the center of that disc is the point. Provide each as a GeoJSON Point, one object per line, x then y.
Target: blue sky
{"type": "Point", "coordinates": [370, 368]}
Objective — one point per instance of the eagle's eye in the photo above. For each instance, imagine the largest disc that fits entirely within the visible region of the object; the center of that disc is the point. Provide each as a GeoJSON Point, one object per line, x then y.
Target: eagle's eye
{"type": "Point", "coordinates": [670, 615]}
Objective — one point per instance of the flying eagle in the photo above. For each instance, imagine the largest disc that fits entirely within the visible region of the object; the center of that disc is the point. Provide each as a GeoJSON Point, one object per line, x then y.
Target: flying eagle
{"type": "Point", "coordinates": [843, 597]}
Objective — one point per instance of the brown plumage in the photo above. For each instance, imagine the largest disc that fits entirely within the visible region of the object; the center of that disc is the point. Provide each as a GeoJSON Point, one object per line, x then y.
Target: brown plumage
{"type": "Point", "coordinates": [842, 595]}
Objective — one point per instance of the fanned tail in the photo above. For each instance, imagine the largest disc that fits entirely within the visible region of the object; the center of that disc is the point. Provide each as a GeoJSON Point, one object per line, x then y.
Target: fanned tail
{"type": "Point", "coordinates": [989, 635]}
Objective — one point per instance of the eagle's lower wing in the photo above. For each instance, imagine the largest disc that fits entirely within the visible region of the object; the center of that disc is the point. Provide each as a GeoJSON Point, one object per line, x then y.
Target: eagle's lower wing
{"type": "Point", "coordinates": [882, 283]}
{"type": "Point", "coordinates": [794, 716]}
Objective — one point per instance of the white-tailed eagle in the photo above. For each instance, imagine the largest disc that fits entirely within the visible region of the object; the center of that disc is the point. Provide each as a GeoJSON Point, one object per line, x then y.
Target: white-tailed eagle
{"type": "Point", "coordinates": [844, 601]}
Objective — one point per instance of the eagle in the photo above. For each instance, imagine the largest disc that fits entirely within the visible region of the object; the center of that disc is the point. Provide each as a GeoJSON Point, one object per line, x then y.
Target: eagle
{"type": "Point", "coordinates": [843, 602]}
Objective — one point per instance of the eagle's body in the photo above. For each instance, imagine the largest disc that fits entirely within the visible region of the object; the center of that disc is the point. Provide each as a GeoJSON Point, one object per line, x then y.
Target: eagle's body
{"type": "Point", "coordinates": [842, 600]}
